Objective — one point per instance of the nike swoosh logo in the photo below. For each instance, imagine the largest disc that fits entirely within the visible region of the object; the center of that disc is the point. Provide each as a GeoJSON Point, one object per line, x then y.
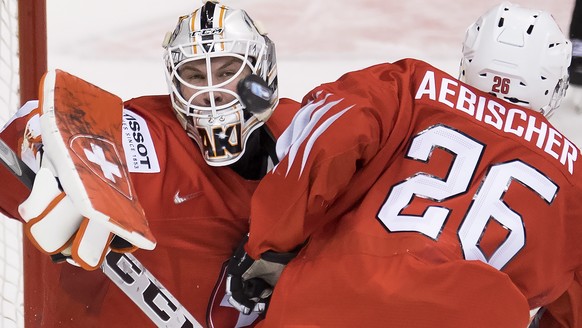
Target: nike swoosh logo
{"type": "Point", "coordinates": [180, 199]}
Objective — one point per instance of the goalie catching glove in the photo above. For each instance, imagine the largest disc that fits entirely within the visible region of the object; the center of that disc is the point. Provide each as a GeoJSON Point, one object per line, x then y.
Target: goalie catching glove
{"type": "Point", "coordinates": [55, 226]}
{"type": "Point", "coordinates": [250, 282]}
{"type": "Point", "coordinates": [82, 196]}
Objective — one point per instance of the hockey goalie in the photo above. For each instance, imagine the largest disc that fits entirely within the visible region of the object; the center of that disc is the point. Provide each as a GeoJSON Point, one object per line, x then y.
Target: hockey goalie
{"type": "Point", "coordinates": [166, 177]}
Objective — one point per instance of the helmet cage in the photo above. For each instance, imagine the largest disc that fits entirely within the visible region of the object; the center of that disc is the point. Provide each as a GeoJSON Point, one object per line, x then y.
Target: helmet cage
{"type": "Point", "coordinates": [220, 130]}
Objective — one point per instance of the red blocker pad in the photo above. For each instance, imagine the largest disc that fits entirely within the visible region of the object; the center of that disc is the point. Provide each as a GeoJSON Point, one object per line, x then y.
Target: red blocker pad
{"type": "Point", "coordinates": [82, 123]}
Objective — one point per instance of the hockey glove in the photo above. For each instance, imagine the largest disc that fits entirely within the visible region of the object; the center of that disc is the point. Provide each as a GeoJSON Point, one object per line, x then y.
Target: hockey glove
{"type": "Point", "coordinates": [54, 224]}
{"type": "Point", "coordinates": [250, 282]}
{"type": "Point", "coordinates": [82, 195]}
{"type": "Point", "coordinates": [56, 227]}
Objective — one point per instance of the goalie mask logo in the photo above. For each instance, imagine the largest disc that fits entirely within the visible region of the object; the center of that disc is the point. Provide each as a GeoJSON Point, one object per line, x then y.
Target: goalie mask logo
{"type": "Point", "coordinates": [102, 158]}
{"type": "Point", "coordinates": [221, 142]}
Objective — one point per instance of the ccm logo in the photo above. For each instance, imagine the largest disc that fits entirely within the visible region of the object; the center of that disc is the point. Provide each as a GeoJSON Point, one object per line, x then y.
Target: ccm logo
{"type": "Point", "coordinates": [163, 304]}
{"type": "Point", "coordinates": [207, 31]}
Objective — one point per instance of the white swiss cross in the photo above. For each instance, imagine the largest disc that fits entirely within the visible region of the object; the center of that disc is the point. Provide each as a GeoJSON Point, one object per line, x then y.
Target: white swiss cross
{"type": "Point", "coordinates": [97, 156]}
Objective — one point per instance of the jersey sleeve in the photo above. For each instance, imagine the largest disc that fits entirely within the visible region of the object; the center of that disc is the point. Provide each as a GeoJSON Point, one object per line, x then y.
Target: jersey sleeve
{"type": "Point", "coordinates": [566, 311]}
{"type": "Point", "coordinates": [339, 129]}
{"type": "Point", "coordinates": [282, 116]}
{"type": "Point", "coordinates": [22, 135]}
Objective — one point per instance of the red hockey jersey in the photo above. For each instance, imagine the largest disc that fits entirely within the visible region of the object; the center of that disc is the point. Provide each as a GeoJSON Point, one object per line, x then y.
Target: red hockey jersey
{"type": "Point", "coordinates": [566, 311]}
{"type": "Point", "coordinates": [197, 213]}
{"type": "Point", "coordinates": [424, 203]}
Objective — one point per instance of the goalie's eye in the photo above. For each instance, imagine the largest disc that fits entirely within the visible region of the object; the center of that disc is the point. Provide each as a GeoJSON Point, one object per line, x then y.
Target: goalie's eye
{"type": "Point", "coordinates": [193, 76]}
{"type": "Point", "coordinates": [227, 73]}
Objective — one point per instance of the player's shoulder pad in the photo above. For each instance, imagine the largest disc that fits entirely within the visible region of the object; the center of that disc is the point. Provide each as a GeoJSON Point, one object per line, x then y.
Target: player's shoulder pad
{"type": "Point", "coordinates": [138, 145]}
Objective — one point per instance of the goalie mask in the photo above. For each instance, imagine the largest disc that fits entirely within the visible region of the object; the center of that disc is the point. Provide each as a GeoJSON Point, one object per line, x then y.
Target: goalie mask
{"type": "Point", "coordinates": [519, 55]}
{"type": "Point", "coordinates": [207, 54]}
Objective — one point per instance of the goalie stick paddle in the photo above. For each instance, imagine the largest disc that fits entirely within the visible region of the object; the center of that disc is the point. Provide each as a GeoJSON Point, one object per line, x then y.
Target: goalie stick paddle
{"type": "Point", "coordinates": [124, 270]}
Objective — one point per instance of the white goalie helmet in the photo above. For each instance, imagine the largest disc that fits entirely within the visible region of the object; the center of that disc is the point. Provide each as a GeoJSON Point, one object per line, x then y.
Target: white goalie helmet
{"type": "Point", "coordinates": [212, 112]}
{"type": "Point", "coordinates": [519, 55]}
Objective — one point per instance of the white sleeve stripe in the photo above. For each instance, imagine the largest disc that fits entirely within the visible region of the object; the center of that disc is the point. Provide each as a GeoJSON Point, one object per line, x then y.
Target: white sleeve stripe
{"type": "Point", "coordinates": [23, 111]}
{"type": "Point", "coordinates": [300, 120]}
{"type": "Point", "coordinates": [321, 129]}
{"type": "Point", "coordinates": [303, 128]}
{"type": "Point", "coordinates": [307, 131]}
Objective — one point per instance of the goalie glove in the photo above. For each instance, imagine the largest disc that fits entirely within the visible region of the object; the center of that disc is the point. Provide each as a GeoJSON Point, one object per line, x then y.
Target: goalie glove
{"type": "Point", "coordinates": [250, 282]}
{"type": "Point", "coordinates": [82, 195]}
{"type": "Point", "coordinates": [56, 227]}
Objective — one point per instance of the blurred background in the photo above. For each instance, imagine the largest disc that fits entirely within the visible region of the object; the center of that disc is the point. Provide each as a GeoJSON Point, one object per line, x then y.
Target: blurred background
{"type": "Point", "coordinates": [117, 44]}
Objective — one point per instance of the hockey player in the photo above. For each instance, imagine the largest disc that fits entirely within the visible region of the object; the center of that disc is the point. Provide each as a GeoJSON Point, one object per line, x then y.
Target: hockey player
{"type": "Point", "coordinates": [194, 158]}
{"type": "Point", "coordinates": [407, 198]}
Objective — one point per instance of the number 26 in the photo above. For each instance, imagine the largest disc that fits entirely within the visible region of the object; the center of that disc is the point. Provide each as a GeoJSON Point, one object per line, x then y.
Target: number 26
{"type": "Point", "coordinates": [500, 85]}
{"type": "Point", "coordinates": [487, 202]}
